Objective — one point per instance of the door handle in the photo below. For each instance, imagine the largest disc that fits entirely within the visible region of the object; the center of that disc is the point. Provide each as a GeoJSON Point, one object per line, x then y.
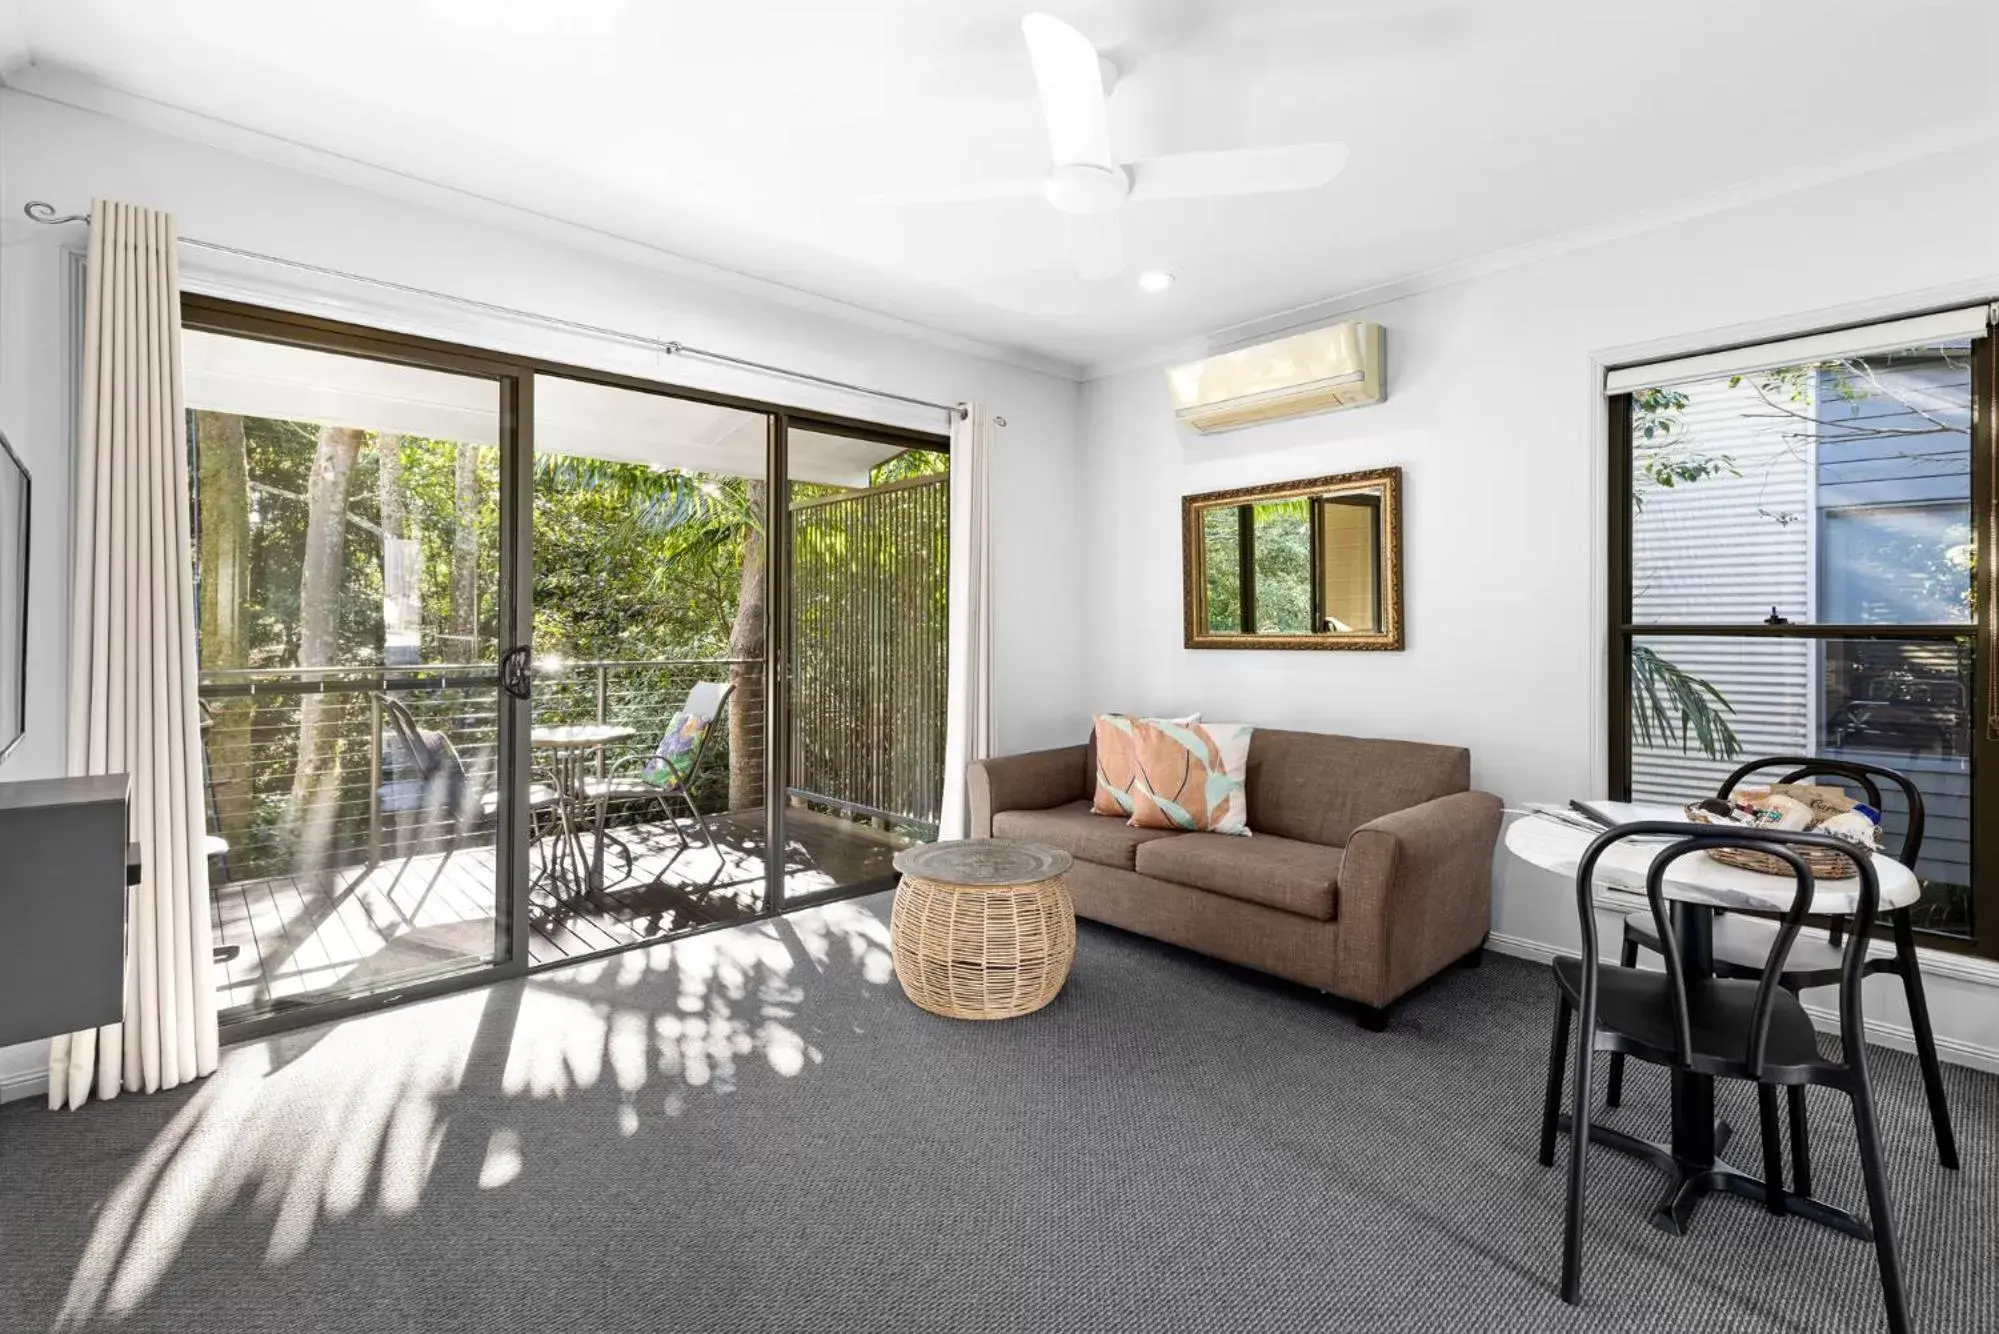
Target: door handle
{"type": "Point", "coordinates": [517, 673]}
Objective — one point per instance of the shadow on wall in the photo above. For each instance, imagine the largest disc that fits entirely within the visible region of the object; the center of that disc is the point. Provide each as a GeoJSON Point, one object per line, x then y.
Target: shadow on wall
{"type": "Point", "coordinates": [508, 1128]}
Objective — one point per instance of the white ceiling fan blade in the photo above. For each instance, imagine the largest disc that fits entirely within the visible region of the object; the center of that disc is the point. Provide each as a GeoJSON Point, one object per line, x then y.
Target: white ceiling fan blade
{"type": "Point", "coordinates": [969, 192]}
{"type": "Point", "coordinates": [1243, 171]}
{"type": "Point", "coordinates": [1071, 80]}
{"type": "Point", "coordinates": [1096, 246]}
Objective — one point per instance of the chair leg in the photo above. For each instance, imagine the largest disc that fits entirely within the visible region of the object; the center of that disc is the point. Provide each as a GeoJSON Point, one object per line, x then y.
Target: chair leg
{"type": "Point", "coordinates": [1879, 1214]}
{"type": "Point", "coordinates": [1558, 1058]}
{"type": "Point", "coordinates": [1926, 1038]}
{"type": "Point", "coordinates": [1614, 1095]}
{"type": "Point", "coordinates": [1773, 1150]}
{"type": "Point", "coordinates": [1801, 1142]}
{"type": "Point", "coordinates": [1572, 1229]}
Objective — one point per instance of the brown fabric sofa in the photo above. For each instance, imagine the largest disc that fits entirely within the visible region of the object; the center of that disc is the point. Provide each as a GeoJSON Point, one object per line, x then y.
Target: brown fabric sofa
{"type": "Point", "coordinates": [1368, 869]}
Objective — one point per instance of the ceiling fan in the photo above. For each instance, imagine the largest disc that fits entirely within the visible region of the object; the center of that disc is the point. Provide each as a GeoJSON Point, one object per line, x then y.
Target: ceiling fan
{"type": "Point", "coordinates": [1090, 186]}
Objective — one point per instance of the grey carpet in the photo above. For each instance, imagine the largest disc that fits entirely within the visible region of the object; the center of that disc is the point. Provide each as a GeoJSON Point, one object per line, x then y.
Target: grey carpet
{"type": "Point", "coordinates": [754, 1131]}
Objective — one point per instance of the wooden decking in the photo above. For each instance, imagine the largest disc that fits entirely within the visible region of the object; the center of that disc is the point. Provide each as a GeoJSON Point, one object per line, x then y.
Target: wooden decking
{"type": "Point", "coordinates": [297, 937]}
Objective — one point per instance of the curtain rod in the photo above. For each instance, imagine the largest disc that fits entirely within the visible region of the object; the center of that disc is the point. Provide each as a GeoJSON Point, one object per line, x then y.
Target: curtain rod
{"type": "Point", "coordinates": [41, 212]}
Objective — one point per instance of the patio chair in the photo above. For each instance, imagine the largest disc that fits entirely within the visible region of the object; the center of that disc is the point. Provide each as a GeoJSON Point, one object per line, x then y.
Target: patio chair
{"type": "Point", "coordinates": [668, 773]}
{"type": "Point", "coordinates": [421, 773]}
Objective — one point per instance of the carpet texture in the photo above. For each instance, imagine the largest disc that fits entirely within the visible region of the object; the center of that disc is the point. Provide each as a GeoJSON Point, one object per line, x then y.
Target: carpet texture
{"type": "Point", "coordinates": [752, 1130]}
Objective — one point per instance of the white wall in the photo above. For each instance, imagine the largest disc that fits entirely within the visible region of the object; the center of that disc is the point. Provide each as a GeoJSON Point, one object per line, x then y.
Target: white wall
{"type": "Point", "coordinates": [1493, 416]}
{"type": "Point", "coordinates": [66, 157]}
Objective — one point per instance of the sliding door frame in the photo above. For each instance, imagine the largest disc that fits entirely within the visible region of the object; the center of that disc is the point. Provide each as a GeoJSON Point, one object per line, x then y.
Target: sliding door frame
{"type": "Point", "coordinates": [515, 408]}
{"type": "Point", "coordinates": [1982, 631]}
{"type": "Point", "coordinates": [516, 376]}
{"type": "Point", "coordinates": [780, 650]}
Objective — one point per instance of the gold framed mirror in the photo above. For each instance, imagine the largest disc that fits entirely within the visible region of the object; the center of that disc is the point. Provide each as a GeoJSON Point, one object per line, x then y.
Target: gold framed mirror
{"type": "Point", "coordinates": [1309, 564]}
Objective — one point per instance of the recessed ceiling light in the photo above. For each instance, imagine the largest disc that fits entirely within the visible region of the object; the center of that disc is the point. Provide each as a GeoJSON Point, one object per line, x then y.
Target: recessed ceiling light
{"type": "Point", "coordinates": [1155, 280]}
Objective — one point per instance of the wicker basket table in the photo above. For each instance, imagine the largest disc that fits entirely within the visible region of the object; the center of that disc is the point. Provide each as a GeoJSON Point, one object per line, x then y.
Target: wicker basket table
{"type": "Point", "coordinates": [982, 929]}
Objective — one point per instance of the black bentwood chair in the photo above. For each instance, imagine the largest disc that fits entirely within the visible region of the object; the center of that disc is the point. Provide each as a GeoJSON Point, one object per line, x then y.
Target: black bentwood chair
{"type": "Point", "coordinates": [1741, 944]}
{"type": "Point", "coordinates": [1720, 1027]}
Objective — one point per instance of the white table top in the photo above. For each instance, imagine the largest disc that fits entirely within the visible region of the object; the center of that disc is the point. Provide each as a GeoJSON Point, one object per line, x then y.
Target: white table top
{"type": "Point", "coordinates": [1695, 878]}
{"type": "Point", "coordinates": [580, 736]}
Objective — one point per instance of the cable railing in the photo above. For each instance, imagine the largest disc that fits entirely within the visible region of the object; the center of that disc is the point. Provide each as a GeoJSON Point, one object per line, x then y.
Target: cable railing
{"type": "Point", "coordinates": [307, 770]}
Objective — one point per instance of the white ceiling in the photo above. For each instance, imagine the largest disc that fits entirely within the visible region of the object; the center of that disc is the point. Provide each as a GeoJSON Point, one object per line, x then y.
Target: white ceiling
{"type": "Point", "coordinates": [744, 133]}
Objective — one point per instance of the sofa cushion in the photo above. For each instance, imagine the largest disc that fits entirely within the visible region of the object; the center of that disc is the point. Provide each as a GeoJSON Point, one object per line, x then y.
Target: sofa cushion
{"type": "Point", "coordinates": [1319, 788]}
{"type": "Point", "coordinates": [1284, 873]}
{"type": "Point", "coordinates": [1104, 839]}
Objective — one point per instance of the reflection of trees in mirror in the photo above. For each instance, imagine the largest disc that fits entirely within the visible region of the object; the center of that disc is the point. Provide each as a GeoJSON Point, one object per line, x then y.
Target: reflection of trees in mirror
{"type": "Point", "coordinates": [1221, 566]}
{"type": "Point", "coordinates": [1283, 534]}
{"type": "Point", "coordinates": [1666, 699]}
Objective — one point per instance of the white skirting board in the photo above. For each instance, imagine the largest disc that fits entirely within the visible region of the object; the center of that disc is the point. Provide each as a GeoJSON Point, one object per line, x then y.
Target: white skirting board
{"type": "Point", "coordinates": [1883, 1033]}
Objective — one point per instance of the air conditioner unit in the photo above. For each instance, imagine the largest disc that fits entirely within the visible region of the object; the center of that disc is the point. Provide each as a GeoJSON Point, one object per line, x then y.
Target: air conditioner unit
{"type": "Point", "coordinates": [1320, 371]}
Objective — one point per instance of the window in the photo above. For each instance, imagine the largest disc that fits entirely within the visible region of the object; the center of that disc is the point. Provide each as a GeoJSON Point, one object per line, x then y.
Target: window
{"type": "Point", "coordinates": [1795, 573]}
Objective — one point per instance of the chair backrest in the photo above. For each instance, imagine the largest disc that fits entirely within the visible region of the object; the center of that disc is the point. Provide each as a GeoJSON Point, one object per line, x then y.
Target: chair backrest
{"type": "Point", "coordinates": [686, 740]}
{"type": "Point", "coordinates": [1799, 767]}
{"type": "Point", "coordinates": [1688, 839]}
{"type": "Point", "coordinates": [408, 735]}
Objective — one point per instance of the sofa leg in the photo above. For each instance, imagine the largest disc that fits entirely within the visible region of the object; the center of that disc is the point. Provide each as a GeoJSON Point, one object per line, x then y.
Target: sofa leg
{"type": "Point", "coordinates": [1373, 1018]}
{"type": "Point", "coordinates": [1474, 958]}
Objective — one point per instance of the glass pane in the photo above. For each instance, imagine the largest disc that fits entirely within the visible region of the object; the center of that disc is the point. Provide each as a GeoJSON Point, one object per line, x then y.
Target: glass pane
{"type": "Point", "coordinates": [870, 555]}
{"type": "Point", "coordinates": [1221, 537]}
{"type": "Point", "coordinates": [648, 724]}
{"type": "Point", "coordinates": [1836, 492]}
{"type": "Point", "coordinates": [1283, 535]}
{"type": "Point", "coordinates": [1701, 706]}
{"type": "Point", "coordinates": [347, 553]}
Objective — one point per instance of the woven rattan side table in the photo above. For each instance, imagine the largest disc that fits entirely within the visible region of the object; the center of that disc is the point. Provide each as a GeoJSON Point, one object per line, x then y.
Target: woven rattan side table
{"type": "Point", "coordinates": [982, 929]}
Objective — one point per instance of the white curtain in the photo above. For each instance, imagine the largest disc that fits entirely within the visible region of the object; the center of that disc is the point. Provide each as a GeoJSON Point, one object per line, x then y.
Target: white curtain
{"type": "Point", "coordinates": [132, 707]}
{"type": "Point", "coordinates": [968, 727]}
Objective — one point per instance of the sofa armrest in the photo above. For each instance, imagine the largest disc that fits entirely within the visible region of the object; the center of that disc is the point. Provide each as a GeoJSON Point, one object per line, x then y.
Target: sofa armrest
{"type": "Point", "coordinates": [1031, 782]}
{"type": "Point", "coordinates": [1416, 893]}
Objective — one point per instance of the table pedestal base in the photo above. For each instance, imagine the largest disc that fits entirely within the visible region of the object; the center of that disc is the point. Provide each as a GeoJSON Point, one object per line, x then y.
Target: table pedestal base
{"type": "Point", "coordinates": [1689, 1182]}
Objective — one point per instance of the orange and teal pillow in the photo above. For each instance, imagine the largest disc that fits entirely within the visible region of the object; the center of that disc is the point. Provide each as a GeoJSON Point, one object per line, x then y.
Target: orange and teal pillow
{"type": "Point", "coordinates": [1117, 770]}
{"type": "Point", "coordinates": [1190, 776]}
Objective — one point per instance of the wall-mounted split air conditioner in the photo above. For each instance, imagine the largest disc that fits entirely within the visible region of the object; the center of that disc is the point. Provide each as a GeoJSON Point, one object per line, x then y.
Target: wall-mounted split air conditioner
{"type": "Point", "coordinates": [1320, 371]}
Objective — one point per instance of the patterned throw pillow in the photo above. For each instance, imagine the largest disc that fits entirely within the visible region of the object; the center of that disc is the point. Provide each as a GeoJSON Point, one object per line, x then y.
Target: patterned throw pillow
{"type": "Point", "coordinates": [670, 763]}
{"type": "Point", "coordinates": [1116, 770]}
{"type": "Point", "coordinates": [1191, 776]}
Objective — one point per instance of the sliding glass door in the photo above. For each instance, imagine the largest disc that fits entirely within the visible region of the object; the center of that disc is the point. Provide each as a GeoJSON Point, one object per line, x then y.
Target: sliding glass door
{"type": "Point", "coordinates": [651, 614]}
{"type": "Point", "coordinates": [506, 665]}
{"type": "Point", "coordinates": [1796, 571]}
{"type": "Point", "coordinates": [354, 586]}
{"type": "Point", "coordinates": [863, 615]}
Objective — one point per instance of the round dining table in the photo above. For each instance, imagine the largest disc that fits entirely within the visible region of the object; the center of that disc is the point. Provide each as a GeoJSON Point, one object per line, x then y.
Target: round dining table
{"type": "Point", "coordinates": [573, 745]}
{"type": "Point", "coordinates": [1555, 838]}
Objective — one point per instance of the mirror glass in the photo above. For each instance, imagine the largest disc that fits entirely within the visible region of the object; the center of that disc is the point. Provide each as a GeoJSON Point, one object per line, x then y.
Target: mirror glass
{"type": "Point", "coordinates": [1309, 564]}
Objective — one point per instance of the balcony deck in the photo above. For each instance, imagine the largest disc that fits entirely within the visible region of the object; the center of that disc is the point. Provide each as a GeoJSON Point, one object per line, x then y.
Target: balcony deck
{"type": "Point", "coordinates": [357, 929]}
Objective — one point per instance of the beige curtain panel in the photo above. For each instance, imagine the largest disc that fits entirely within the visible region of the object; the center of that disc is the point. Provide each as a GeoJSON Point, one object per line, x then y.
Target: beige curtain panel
{"type": "Point", "coordinates": [132, 703]}
{"type": "Point", "coordinates": [968, 719]}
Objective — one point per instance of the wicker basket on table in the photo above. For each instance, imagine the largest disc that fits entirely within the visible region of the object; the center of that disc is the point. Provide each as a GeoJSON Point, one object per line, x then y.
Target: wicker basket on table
{"type": "Point", "coordinates": [1825, 864]}
{"type": "Point", "coordinates": [982, 929]}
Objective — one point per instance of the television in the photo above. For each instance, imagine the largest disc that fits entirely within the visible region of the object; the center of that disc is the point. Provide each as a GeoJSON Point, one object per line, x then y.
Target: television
{"type": "Point", "coordinates": [14, 509]}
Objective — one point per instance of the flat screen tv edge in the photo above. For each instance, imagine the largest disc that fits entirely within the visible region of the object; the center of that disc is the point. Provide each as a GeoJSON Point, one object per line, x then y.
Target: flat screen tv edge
{"type": "Point", "coordinates": [15, 508]}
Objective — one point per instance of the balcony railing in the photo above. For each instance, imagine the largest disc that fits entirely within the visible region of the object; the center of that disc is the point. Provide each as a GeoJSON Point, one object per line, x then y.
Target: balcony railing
{"type": "Point", "coordinates": [306, 771]}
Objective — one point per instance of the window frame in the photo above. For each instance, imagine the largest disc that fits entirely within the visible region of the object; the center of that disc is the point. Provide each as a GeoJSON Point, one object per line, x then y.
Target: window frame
{"type": "Point", "coordinates": [1982, 629]}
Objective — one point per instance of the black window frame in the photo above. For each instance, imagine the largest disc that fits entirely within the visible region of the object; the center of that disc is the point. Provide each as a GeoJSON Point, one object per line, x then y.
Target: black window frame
{"type": "Point", "coordinates": [1983, 631]}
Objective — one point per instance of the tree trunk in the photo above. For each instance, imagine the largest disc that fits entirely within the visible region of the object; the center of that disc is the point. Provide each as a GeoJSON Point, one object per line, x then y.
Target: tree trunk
{"type": "Point", "coordinates": [315, 783]}
{"type": "Point", "coordinates": [463, 640]}
{"type": "Point", "coordinates": [747, 642]}
{"type": "Point", "coordinates": [223, 475]}
{"type": "Point", "coordinates": [402, 561]}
